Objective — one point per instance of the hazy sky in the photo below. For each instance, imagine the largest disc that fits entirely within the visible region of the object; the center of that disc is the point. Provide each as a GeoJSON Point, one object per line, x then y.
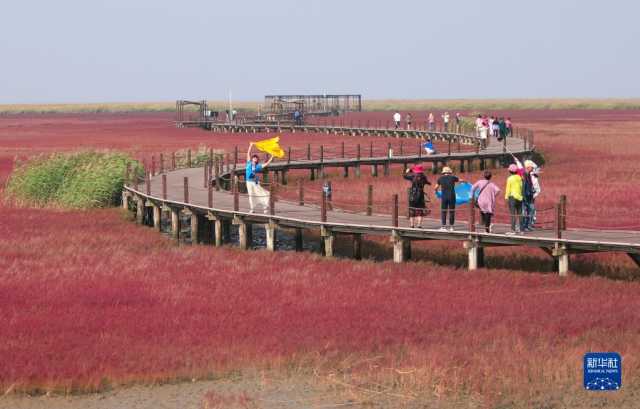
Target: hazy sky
{"type": "Point", "coordinates": [149, 50]}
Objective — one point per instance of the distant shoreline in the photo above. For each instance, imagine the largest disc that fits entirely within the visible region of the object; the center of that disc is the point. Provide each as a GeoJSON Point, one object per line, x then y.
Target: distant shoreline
{"type": "Point", "coordinates": [368, 105]}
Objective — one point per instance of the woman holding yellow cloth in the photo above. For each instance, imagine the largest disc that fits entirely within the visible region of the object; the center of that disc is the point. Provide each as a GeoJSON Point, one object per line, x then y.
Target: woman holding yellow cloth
{"type": "Point", "coordinates": [252, 180]}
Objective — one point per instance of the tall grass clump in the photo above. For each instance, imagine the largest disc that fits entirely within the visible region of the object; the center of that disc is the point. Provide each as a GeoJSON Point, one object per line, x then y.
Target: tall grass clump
{"type": "Point", "coordinates": [70, 180]}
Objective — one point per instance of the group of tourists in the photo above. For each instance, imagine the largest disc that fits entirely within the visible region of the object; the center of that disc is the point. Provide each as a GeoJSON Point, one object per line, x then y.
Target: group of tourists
{"type": "Point", "coordinates": [430, 121]}
{"type": "Point", "coordinates": [499, 128]}
{"type": "Point", "coordinates": [522, 189]}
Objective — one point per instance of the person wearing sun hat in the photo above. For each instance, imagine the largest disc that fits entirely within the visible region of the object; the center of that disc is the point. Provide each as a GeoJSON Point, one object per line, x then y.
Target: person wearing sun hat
{"type": "Point", "coordinates": [513, 194]}
{"type": "Point", "coordinates": [417, 199]}
{"type": "Point", "coordinates": [447, 185]}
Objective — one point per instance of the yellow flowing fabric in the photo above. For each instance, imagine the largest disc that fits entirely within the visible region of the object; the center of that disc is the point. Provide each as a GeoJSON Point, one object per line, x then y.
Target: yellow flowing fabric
{"type": "Point", "coordinates": [270, 146]}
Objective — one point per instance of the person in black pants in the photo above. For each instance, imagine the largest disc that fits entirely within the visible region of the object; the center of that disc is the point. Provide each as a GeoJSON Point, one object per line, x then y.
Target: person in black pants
{"type": "Point", "coordinates": [447, 184]}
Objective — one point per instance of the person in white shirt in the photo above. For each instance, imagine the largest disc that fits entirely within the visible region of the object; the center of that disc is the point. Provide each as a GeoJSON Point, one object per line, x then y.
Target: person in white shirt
{"type": "Point", "coordinates": [445, 120]}
{"type": "Point", "coordinates": [397, 118]}
{"type": "Point", "coordinates": [479, 125]}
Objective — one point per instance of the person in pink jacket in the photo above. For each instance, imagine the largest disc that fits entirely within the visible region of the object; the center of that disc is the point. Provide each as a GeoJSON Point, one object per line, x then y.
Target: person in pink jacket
{"type": "Point", "coordinates": [486, 192]}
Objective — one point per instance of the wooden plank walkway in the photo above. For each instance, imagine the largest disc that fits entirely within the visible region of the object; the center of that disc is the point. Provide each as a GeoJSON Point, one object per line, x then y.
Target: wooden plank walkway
{"type": "Point", "coordinates": [291, 215]}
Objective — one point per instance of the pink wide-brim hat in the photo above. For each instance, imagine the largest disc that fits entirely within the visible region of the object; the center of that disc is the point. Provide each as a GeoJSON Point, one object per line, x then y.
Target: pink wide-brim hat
{"type": "Point", "coordinates": [417, 169]}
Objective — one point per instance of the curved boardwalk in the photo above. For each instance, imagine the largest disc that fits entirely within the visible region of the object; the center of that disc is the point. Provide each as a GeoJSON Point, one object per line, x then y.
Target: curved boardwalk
{"type": "Point", "coordinates": [212, 211]}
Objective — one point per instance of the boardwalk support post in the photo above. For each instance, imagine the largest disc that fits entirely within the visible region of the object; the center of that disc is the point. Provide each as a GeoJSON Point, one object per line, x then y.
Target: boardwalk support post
{"type": "Point", "coordinates": [245, 236]}
{"type": "Point", "coordinates": [299, 239]}
{"type": "Point", "coordinates": [139, 209]}
{"type": "Point", "coordinates": [328, 237]}
{"type": "Point", "coordinates": [157, 217]}
{"type": "Point", "coordinates": [195, 228]}
{"type": "Point", "coordinates": [475, 253]}
{"type": "Point", "coordinates": [401, 247]}
{"type": "Point", "coordinates": [357, 246]}
{"type": "Point", "coordinates": [270, 235]}
{"type": "Point", "coordinates": [175, 224]}
{"type": "Point", "coordinates": [561, 258]}
{"type": "Point", "coordinates": [125, 200]}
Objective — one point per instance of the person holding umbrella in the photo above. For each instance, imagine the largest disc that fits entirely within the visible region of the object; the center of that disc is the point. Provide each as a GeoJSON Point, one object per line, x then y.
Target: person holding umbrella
{"type": "Point", "coordinates": [417, 199]}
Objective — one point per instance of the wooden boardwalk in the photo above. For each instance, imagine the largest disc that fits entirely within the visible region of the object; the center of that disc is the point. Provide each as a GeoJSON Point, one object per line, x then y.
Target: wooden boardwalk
{"type": "Point", "coordinates": [213, 211]}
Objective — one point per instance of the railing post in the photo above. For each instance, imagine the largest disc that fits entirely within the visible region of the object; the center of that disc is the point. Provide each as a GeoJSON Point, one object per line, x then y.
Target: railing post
{"type": "Point", "coordinates": [209, 196]}
{"type": "Point", "coordinates": [164, 186]}
{"type": "Point", "coordinates": [236, 194]}
{"type": "Point", "coordinates": [369, 200]}
{"type": "Point", "coordinates": [472, 215]}
{"type": "Point", "coordinates": [161, 163]}
{"type": "Point", "coordinates": [371, 149]}
{"type": "Point", "coordinates": [153, 165]}
{"type": "Point", "coordinates": [420, 148]}
{"type": "Point", "coordinates": [216, 166]}
{"type": "Point", "coordinates": [186, 189]}
{"type": "Point", "coordinates": [358, 154]}
{"type": "Point", "coordinates": [289, 155]}
{"type": "Point", "coordinates": [563, 211]}
{"type": "Point", "coordinates": [272, 199]}
{"type": "Point", "coordinates": [394, 215]}
{"type": "Point", "coordinates": [300, 192]}
{"type": "Point", "coordinates": [321, 154]}
{"type": "Point", "coordinates": [189, 157]}
{"type": "Point", "coordinates": [147, 182]}
{"type": "Point", "coordinates": [323, 208]}
{"type": "Point", "coordinates": [558, 220]}
{"type": "Point", "coordinates": [308, 151]}
{"type": "Point", "coordinates": [342, 149]}
{"type": "Point", "coordinates": [401, 148]}
{"type": "Point", "coordinates": [504, 145]}
{"type": "Point", "coordinates": [449, 148]}
{"type": "Point", "coordinates": [235, 157]}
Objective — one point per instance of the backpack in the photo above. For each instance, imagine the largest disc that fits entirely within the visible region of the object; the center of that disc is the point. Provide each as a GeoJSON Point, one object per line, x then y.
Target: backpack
{"type": "Point", "coordinates": [527, 188]}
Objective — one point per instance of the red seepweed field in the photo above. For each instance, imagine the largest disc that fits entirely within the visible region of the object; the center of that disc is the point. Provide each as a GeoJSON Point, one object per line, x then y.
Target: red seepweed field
{"type": "Point", "coordinates": [90, 300]}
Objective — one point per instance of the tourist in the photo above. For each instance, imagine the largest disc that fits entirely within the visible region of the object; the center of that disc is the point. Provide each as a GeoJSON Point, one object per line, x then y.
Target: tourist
{"type": "Point", "coordinates": [529, 182]}
{"type": "Point", "coordinates": [447, 186]}
{"type": "Point", "coordinates": [535, 177]}
{"type": "Point", "coordinates": [327, 191]}
{"type": "Point", "coordinates": [513, 196]}
{"type": "Point", "coordinates": [485, 199]}
{"type": "Point", "coordinates": [495, 129]}
{"type": "Point", "coordinates": [254, 190]}
{"type": "Point", "coordinates": [458, 122]}
{"type": "Point", "coordinates": [484, 135]}
{"type": "Point", "coordinates": [432, 121]}
{"type": "Point", "coordinates": [509, 126]}
{"type": "Point", "coordinates": [409, 118]}
{"type": "Point", "coordinates": [445, 121]}
{"type": "Point", "coordinates": [502, 126]}
{"type": "Point", "coordinates": [429, 148]}
{"type": "Point", "coordinates": [417, 199]}
{"type": "Point", "coordinates": [397, 118]}
{"type": "Point", "coordinates": [479, 125]}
